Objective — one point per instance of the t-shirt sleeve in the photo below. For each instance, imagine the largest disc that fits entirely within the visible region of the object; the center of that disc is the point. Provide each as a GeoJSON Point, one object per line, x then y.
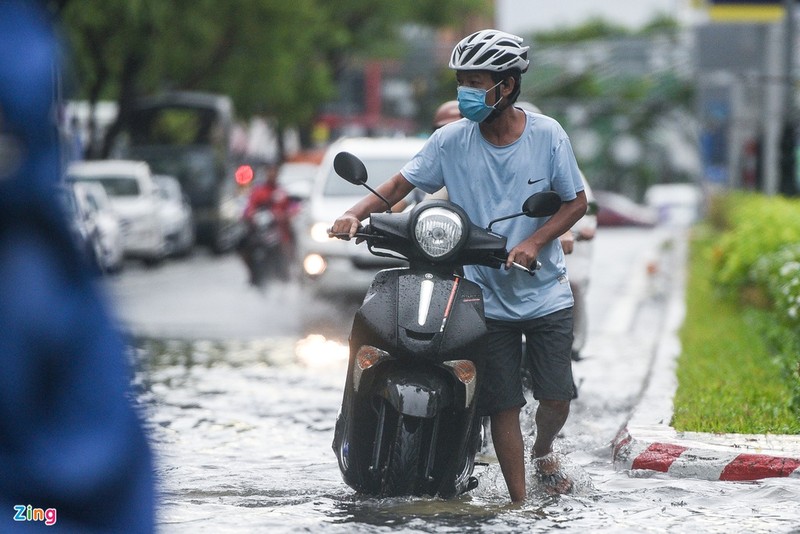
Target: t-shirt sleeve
{"type": "Point", "coordinates": [567, 180]}
{"type": "Point", "coordinates": [424, 170]}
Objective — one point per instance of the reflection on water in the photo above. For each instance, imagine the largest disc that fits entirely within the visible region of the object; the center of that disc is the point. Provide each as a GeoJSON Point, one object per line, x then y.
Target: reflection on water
{"type": "Point", "coordinates": [242, 434]}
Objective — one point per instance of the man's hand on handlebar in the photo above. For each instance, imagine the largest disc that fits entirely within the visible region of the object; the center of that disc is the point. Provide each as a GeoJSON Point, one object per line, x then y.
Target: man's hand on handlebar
{"type": "Point", "coordinates": [523, 256]}
{"type": "Point", "coordinates": [345, 227]}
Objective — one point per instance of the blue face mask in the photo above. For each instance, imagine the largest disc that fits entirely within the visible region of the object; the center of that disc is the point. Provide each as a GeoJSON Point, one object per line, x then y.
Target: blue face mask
{"type": "Point", "coordinates": [472, 102]}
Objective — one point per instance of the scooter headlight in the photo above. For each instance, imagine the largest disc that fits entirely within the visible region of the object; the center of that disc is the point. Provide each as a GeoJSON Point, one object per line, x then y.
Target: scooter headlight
{"type": "Point", "coordinates": [438, 232]}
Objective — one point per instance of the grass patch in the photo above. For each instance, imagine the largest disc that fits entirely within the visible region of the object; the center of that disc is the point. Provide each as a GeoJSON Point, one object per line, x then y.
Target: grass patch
{"type": "Point", "coordinates": [728, 380]}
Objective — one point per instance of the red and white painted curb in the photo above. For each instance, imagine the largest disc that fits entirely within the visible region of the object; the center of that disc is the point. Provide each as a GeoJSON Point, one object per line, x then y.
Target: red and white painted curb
{"type": "Point", "coordinates": [684, 461]}
{"type": "Point", "coordinates": [648, 445]}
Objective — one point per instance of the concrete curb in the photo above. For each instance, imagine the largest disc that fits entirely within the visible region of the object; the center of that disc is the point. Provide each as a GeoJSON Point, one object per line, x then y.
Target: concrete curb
{"type": "Point", "coordinates": [647, 444]}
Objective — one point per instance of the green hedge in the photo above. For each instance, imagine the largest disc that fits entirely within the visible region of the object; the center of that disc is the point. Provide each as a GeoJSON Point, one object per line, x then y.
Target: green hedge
{"type": "Point", "coordinates": [746, 265]}
{"type": "Point", "coordinates": [752, 227]}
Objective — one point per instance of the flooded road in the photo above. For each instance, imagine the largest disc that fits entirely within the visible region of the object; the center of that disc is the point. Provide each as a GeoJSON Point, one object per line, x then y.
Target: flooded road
{"type": "Point", "coordinates": [240, 392]}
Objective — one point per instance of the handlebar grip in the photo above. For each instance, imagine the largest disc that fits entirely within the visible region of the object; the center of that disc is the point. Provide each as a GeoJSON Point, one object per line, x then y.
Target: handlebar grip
{"type": "Point", "coordinates": [363, 232]}
{"type": "Point", "coordinates": [530, 270]}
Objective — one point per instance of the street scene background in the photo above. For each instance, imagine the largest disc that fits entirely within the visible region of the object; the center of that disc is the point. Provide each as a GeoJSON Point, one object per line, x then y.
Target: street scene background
{"type": "Point", "coordinates": [667, 103]}
{"type": "Point", "coordinates": [241, 388]}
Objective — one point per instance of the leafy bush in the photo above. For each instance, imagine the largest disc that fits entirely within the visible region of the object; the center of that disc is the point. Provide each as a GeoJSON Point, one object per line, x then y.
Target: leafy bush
{"type": "Point", "coordinates": [757, 261]}
{"type": "Point", "coordinates": [753, 226]}
{"type": "Point", "coordinates": [778, 274]}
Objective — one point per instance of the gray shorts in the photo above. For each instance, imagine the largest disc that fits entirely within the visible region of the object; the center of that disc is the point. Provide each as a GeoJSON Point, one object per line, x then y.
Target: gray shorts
{"type": "Point", "coordinates": [548, 346]}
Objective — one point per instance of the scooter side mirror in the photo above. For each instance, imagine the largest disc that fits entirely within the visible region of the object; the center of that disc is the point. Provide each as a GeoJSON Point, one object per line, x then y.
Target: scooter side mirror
{"type": "Point", "coordinates": [354, 171]}
{"type": "Point", "coordinates": [350, 168]}
{"type": "Point", "coordinates": [542, 204]}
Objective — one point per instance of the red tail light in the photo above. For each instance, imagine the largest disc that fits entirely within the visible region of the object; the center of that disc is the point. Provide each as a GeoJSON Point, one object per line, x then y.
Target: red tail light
{"type": "Point", "coordinates": [244, 175]}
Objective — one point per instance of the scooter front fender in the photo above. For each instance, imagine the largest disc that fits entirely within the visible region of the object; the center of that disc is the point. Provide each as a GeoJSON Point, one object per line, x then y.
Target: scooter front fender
{"type": "Point", "coordinates": [417, 394]}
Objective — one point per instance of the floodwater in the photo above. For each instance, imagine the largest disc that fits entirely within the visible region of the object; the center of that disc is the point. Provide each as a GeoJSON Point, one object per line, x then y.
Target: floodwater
{"type": "Point", "coordinates": [242, 428]}
{"type": "Point", "coordinates": [242, 435]}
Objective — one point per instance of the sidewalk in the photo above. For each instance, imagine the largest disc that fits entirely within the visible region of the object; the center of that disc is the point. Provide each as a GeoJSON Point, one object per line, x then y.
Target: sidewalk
{"type": "Point", "coordinates": [648, 443]}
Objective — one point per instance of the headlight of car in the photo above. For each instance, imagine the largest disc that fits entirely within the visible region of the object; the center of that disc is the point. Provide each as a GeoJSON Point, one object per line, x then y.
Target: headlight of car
{"type": "Point", "coordinates": [438, 232]}
{"type": "Point", "coordinates": [319, 232]}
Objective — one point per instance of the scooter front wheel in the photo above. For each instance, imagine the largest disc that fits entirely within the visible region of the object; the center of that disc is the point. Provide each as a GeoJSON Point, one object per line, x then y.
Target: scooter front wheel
{"type": "Point", "coordinates": [402, 474]}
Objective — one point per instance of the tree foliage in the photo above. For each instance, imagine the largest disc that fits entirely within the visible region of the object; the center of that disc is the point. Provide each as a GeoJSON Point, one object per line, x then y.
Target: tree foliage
{"type": "Point", "coordinates": [608, 102]}
{"type": "Point", "coordinates": [272, 57]}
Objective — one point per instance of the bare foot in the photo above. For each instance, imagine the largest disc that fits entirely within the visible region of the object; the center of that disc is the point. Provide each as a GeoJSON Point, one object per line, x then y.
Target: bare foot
{"type": "Point", "coordinates": [549, 473]}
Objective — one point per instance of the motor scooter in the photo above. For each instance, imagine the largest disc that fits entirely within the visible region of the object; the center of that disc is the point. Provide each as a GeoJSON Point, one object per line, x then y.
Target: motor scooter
{"type": "Point", "coordinates": [408, 423]}
{"type": "Point", "coordinates": [262, 248]}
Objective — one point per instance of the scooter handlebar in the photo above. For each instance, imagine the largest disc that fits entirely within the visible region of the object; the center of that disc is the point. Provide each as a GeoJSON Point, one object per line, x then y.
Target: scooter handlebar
{"type": "Point", "coordinates": [530, 270]}
{"type": "Point", "coordinates": [363, 233]}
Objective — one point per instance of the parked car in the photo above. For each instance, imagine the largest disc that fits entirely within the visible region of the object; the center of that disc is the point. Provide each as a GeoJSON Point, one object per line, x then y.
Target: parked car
{"type": "Point", "coordinates": [176, 215]}
{"type": "Point", "coordinates": [111, 246]}
{"type": "Point", "coordinates": [134, 197]}
{"type": "Point", "coordinates": [332, 267]}
{"type": "Point", "coordinates": [615, 209]}
{"type": "Point", "coordinates": [296, 178]}
{"type": "Point", "coordinates": [81, 225]}
{"type": "Point", "coordinates": [676, 204]}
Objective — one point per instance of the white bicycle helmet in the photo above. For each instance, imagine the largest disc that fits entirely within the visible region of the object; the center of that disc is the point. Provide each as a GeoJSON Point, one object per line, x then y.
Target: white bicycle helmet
{"type": "Point", "coordinates": [490, 50]}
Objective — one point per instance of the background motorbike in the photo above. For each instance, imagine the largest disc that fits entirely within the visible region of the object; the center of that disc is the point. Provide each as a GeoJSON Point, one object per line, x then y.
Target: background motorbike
{"type": "Point", "coordinates": [407, 423]}
{"type": "Point", "coordinates": [262, 248]}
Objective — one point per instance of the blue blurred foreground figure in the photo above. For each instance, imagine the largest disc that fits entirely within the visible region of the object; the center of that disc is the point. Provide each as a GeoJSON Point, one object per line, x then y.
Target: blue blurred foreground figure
{"type": "Point", "coordinates": [73, 453]}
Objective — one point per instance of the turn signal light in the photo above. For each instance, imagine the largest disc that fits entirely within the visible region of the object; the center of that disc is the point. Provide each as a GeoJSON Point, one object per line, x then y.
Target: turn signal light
{"type": "Point", "coordinates": [368, 356]}
{"type": "Point", "coordinates": [464, 370]}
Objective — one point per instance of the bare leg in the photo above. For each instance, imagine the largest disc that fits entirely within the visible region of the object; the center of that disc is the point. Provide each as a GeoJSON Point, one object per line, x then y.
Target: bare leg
{"type": "Point", "coordinates": [550, 418]}
{"type": "Point", "coordinates": [508, 445]}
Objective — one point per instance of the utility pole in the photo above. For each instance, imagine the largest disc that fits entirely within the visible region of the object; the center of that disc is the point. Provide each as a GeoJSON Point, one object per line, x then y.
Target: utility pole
{"type": "Point", "coordinates": [788, 149]}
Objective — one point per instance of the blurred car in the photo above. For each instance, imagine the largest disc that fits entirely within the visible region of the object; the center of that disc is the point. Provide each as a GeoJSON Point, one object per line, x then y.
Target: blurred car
{"type": "Point", "coordinates": [176, 215]}
{"type": "Point", "coordinates": [296, 178]}
{"type": "Point", "coordinates": [332, 267]}
{"type": "Point", "coordinates": [615, 209]}
{"type": "Point", "coordinates": [81, 225]}
{"type": "Point", "coordinates": [676, 204]}
{"type": "Point", "coordinates": [110, 250]}
{"type": "Point", "coordinates": [134, 197]}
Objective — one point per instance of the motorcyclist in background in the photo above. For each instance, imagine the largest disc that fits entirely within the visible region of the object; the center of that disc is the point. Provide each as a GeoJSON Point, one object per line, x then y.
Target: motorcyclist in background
{"type": "Point", "coordinates": [267, 194]}
{"type": "Point", "coordinates": [445, 114]}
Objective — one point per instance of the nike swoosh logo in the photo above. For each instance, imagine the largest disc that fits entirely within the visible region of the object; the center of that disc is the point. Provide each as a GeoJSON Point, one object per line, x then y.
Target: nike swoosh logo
{"type": "Point", "coordinates": [531, 182]}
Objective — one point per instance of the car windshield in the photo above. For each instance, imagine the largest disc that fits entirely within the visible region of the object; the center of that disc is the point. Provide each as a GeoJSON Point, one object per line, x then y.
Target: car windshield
{"type": "Point", "coordinates": [193, 166]}
{"type": "Point", "coordinates": [378, 170]}
{"type": "Point", "coordinates": [115, 186]}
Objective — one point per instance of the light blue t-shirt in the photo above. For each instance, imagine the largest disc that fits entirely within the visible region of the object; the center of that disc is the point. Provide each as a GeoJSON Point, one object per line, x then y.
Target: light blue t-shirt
{"type": "Point", "coordinates": [494, 181]}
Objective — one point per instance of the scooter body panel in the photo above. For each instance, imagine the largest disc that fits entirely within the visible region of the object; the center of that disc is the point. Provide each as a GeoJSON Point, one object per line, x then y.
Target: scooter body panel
{"type": "Point", "coordinates": [419, 329]}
